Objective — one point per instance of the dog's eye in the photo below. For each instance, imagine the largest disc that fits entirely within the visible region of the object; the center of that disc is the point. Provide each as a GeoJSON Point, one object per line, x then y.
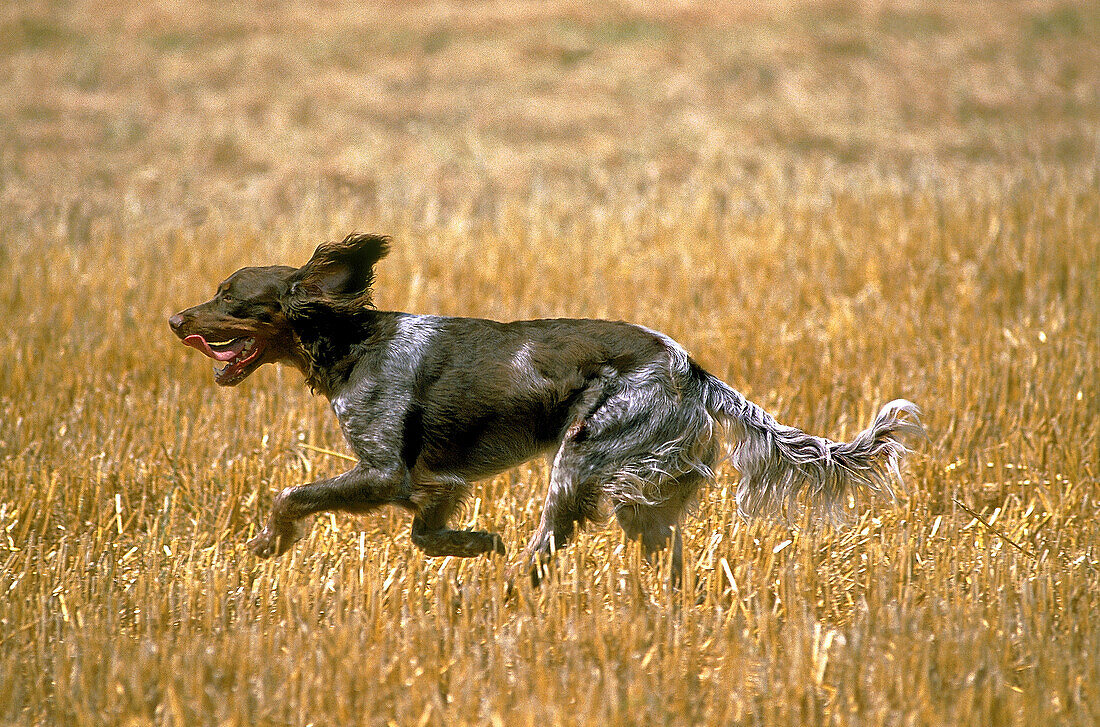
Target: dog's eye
{"type": "Point", "coordinates": [228, 297]}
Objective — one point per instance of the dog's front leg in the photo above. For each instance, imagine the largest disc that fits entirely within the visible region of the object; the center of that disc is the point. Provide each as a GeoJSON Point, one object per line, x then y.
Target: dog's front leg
{"type": "Point", "coordinates": [358, 491]}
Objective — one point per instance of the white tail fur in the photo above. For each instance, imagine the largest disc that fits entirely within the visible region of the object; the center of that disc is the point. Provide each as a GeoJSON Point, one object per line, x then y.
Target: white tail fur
{"type": "Point", "coordinates": [780, 463]}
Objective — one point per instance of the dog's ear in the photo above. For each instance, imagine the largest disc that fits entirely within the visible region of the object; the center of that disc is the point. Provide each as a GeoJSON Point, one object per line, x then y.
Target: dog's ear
{"type": "Point", "coordinates": [341, 270]}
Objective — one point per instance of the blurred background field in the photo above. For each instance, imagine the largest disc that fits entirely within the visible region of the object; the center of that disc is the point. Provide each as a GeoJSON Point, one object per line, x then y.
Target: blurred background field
{"type": "Point", "coordinates": [829, 204]}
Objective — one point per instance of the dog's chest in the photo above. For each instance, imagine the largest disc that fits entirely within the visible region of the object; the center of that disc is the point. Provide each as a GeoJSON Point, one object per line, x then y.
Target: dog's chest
{"type": "Point", "coordinates": [341, 406]}
{"type": "Point", "coordinates": [371, 414]}
{"type": "Point", "coordinates": [359, 405]}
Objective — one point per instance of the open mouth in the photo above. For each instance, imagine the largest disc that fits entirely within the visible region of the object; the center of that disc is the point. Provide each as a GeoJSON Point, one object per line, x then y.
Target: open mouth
{"type": "Point", "coordinates": [239, 355]}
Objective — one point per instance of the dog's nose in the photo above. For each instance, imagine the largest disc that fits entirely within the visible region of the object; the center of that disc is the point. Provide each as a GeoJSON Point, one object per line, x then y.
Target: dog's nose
{"type": "Point", "coordinates": [176, 321]}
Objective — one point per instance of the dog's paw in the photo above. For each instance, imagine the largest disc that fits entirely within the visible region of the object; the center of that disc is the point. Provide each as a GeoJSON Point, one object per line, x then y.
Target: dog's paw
{"type": "Point", "coordinates": [264, 545]}
{"type": "Point", "coordinates": [272, 542]}
{"type": "Point", "coordinates": [538, 569]}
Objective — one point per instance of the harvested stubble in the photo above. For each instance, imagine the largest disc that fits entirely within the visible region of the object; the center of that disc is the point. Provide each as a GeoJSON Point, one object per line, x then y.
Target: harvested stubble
{"type": "Point", "coordinates": [818, 283]}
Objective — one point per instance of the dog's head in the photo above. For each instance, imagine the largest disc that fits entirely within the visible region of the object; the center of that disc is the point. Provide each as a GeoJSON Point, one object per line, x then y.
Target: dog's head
{"type": "Point", "coordinates": [252, 319]}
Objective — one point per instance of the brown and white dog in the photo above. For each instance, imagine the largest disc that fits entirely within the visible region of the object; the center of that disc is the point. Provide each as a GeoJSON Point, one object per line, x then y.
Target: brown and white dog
{"type": "Point", "coordinates": [430, 403]}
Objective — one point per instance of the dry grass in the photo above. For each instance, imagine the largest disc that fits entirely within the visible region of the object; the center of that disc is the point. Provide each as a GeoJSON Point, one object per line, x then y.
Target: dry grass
{"type": "Point", "coordinates": [829, 206]}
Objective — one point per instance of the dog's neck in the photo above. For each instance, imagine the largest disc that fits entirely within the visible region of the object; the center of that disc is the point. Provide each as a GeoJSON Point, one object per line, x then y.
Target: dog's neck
{"type": "Point", "coordinates": [330, 345]}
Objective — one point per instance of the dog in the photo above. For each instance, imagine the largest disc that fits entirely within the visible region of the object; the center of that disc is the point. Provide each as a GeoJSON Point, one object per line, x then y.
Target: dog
{"type": "Point", "coordinates": [429, 404]}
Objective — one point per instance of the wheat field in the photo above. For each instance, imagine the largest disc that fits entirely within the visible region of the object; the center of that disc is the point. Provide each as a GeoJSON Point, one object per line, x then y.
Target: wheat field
{"type": "Point", "coordinates": [829, 204]}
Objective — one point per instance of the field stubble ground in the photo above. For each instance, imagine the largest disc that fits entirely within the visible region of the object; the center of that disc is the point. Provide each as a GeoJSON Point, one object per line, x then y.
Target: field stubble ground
{"type": "Point", "coordinates": [828, 205]}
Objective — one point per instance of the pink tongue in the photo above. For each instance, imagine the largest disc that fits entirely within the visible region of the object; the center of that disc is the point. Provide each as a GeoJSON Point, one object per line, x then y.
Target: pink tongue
{"type": "Point", "coordinates": [198, 342]}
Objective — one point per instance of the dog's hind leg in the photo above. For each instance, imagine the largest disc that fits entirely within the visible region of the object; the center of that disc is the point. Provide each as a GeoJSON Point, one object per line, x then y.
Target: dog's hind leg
{"type": "Point", "coordinates": [572, 499]}
{"type": "Point", "coordinates": [655, 526]}
{"type": "Point", "coordinates": [436, 500]}
{"type": "Point", "coordinates": [658, 523]}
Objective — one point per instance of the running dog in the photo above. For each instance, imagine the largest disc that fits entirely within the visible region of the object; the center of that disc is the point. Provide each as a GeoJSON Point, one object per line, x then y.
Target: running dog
{"type": "Point", "coordinates": [430, 403]}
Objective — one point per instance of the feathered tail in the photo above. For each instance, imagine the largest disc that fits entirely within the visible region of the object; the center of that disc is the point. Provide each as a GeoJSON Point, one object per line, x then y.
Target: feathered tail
{"type": "Point", "coordinates": [778, 463]}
